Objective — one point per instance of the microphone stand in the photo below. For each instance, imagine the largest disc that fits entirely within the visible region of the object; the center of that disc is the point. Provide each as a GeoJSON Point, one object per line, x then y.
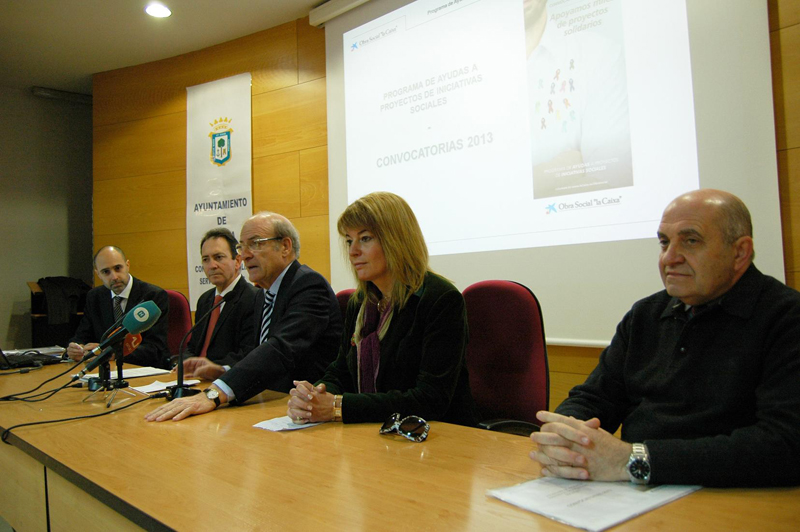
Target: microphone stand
{"type": "Point", "coordinates": [180, 389]}
{"type": "Point", "coordinates": [103, 380]}
{"type": "Point", "coordinates": [118, 383]}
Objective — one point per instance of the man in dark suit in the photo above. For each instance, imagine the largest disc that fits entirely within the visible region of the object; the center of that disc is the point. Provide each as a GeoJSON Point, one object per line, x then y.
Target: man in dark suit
{"type": "Point", "coordinates": [226, 335]}
{"type": "Point", "coordinates": [297, 320]}
{"type": "Point", "coordinates": [104, 304]}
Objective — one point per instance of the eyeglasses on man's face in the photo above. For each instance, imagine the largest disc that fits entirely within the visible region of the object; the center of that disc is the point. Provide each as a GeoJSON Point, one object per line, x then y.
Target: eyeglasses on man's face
{"type": "Point", "coordinates": [255, 244]}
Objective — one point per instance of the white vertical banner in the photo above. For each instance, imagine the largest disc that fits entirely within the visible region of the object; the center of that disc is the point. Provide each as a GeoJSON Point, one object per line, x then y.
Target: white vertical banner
{"type": "Point", "coordinates": [218, 166]}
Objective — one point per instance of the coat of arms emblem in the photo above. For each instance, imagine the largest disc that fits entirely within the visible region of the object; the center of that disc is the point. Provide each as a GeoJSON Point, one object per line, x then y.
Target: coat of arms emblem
{"type": "Point", "coordinates": [221, 141]}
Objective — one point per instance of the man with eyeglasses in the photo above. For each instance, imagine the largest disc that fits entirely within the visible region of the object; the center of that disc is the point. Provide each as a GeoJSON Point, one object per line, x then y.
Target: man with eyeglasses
{"type": "Point", "coordinates": [226, 335]}
{"type": "Point", "coordinates": [106, 304]}
{"type": "Point", "coordinates": [296, 319]}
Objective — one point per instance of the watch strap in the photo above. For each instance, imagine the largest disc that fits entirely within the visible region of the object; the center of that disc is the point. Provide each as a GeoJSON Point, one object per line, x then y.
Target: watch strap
{"type": "Point", "coordinates": [337, 408]}
{"type": "Point", "coordinates": [215, 397]}
{"type": "Point", "coordinates": [639, 464]}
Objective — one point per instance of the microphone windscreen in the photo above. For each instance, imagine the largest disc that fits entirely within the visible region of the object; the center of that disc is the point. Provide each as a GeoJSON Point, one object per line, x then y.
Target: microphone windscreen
{"type": "Point", "coordinates": [130, 344]}
{"type": "Point", "coordinates": [142, 317]}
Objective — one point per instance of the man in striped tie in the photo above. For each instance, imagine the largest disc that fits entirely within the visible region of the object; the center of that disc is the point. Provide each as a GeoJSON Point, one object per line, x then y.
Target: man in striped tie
{"type": "Point", "coordinates": [106, 304]}
{"type": "Point", "coordinates": [297, 323]}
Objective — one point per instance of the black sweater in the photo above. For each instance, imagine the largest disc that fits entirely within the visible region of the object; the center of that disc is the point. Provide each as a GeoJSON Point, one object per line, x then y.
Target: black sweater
{"type": "Point", "coordinates": [716, 398]}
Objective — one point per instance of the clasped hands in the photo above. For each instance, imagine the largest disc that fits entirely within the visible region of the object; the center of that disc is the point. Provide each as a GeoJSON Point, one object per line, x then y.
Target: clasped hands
{"type": "Point", "coordinates": [309, 403]}
{"type": "Point", "coordinates": [571, 448]}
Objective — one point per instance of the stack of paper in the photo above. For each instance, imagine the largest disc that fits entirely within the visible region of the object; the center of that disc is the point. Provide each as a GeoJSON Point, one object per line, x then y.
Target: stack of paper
{"type": "Point", "coordinates": [592, 506]}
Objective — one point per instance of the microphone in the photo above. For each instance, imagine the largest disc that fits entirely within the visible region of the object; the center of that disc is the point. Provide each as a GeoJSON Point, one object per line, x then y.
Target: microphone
{"type": "Point", "coordinates": [113, 327]}
{"type": "Point", "coordinates": [181, 390]}
{"type": "Point", "coordinates": [138, 320]}
{"type": "Point", "coordinates": [107, 353]}
{"type": "Point", "coordinates": [129, 345]}
{"type": "Point", "coordinates": [225, 299]}
{"type": "Point", "coordinates": [93, 352]}
{"type": "Point", "coordinates": [132, 341]}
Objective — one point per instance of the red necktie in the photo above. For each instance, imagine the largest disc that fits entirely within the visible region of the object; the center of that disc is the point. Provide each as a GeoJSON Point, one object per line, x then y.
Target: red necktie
{"type": "Point", "coordinates": [212, 322]}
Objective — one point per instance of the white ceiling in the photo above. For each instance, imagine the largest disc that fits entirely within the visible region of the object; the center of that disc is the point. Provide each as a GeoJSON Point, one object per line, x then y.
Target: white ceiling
{"type": "Point", "coordinates": [59, 44]}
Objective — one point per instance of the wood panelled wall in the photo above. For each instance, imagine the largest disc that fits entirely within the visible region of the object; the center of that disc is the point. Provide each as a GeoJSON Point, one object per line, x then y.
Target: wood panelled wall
{"type": "Point", "coordinates": [140, 153]}
{"type": "Point", "coordinates": [140, 147]}
{"type": "Point", "coordinates": [784, 26]}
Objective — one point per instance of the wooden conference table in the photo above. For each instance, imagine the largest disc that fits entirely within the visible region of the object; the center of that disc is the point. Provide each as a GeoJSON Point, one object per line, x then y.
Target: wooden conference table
{"type": "Point", "coordinates": [216, 472]}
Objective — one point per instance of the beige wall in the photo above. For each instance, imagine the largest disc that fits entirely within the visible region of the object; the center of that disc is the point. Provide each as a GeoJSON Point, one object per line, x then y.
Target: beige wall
{"type": "Point", "coordinates": [290, 155]}
{"type": "Point", "coordinates": [46, 193]}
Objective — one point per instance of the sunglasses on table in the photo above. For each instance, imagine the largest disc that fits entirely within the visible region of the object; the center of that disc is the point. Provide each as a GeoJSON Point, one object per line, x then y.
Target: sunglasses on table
{"type": "Point", "coordinates": [412, 427]}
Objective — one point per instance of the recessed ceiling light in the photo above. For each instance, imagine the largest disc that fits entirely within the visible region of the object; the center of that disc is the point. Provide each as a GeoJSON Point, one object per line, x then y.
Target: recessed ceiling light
{"type": "Point", "coordinates": [157, 10]}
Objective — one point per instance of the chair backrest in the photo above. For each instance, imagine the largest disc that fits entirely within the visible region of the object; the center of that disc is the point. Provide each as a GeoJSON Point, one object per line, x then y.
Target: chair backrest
{"type": "Point", "coordinates": [180, 320]}
{"type": "Point", "coordinates": [343, 297]}
{"type": "Point", "coordinates": [506, 354]}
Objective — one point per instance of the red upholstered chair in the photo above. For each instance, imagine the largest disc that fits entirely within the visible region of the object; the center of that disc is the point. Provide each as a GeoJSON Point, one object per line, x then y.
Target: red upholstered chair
{"type": "Point", "coordinates": [506, 355]}
{"type": "Point", "coordinates": [180, 320]}
{"type": "Point", "coordinates": [343, 297]}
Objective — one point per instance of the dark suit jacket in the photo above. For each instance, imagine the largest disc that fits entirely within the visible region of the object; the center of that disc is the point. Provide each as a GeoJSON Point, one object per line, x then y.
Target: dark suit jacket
{"type": "Point", "coordinates": [98, 315]}
{"type": "Point", "coordinates": [422, 369]}
{"type": "Point", "coordinates": [233, 335]}
{"type": "Point", "coordinates": [303, 335]}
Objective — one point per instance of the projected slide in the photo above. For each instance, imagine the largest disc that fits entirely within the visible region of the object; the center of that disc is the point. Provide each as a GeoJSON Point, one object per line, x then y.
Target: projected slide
{"type": "Point", "coordinates": [510, 124]}
{"type": "Point", "coordinates": [580, 130]}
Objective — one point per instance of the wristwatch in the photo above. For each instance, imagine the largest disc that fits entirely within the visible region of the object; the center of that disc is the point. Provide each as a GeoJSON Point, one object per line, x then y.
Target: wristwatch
{"type": "Point", "coordinates": [213, 394]}
{"type": "Point", "coordinates": [337, 408]}
{"type": "Point", "coordinates": [639, 464]}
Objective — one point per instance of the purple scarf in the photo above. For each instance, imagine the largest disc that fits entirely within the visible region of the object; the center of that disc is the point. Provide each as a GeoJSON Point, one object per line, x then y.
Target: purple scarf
{"type": "Point", "coordinates": [369, 349]}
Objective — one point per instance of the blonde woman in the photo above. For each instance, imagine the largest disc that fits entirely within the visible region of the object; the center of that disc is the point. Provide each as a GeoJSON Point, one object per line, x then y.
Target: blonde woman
{"type": "Point", "coordinates": [405, 333]}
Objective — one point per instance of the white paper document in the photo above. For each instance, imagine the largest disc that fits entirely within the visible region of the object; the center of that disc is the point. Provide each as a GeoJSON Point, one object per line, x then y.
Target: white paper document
{"type": "Point", "coordinates": [282, 423]}
{"type": "Point", "coordinates": [54, 351]}
{"type": "Point", "coordinates": [130, 373]}
{"type": "Point", "coordinates": [158, 386]}
{"type": "Point", "coordinates": [592, 506]}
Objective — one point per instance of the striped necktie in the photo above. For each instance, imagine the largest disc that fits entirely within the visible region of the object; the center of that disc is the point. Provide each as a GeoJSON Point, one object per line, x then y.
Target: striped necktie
{"type": "Point", "coordinates": [117, 307]}
{"type": "Point", "coordinates": [266, 315]}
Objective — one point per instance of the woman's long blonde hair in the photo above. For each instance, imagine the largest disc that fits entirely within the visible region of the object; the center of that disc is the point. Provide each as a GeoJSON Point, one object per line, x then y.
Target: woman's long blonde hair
{"type": "Point", "coordinates": [391, 220]}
